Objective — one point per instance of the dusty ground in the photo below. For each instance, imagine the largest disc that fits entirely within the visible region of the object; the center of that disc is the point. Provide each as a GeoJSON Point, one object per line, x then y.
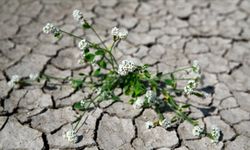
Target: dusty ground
{"type": "Point", "coordinates": [166, 34]}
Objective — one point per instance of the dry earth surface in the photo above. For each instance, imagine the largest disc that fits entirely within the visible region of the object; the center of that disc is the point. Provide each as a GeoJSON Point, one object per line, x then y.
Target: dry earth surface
{"type": "Point", "coordinates": [164, 33]}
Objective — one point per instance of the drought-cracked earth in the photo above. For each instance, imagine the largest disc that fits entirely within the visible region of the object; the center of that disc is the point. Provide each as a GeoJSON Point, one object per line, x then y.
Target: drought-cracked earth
{"type": "Point", "coordinates": [164, 33]}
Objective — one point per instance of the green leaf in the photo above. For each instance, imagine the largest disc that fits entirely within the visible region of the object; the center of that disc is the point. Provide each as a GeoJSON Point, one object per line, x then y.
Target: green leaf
{"type": "Point", "coordinates": [115, 98]}
{"type": "Point", "coordinates": [97, 72]}
{"type": "Point", "coordinates": [86, 50]}
{"type": "Point", "coordinates": [77, 106]}
{"type": "Point", "coordinates": [81, 74]}
{"type": "Point", "coordinates": [57, 35]}
{"type": "Point", "coordinates": [86, 25]}
{"type": "Point", "coordinates": [76, 83]}
{"type": "Point", "coordinates": [99, 52]}
{"type": "Point", "coordinates": [139, 89]}
{"type": "Point", "coordinates": [198, 94]}
{"type": "Point", "coordinates": [185, 106]}
{"type": "Point", "coordinates": [169, 82]}
{"type": "Point", "coordinates": [102, 64]}
{"type": "Point", "coordinates": [89, 57]}
{"type": "Point", "coordinates": [159, 74]}
{"type": "Point", "coordinates": [147, 74]}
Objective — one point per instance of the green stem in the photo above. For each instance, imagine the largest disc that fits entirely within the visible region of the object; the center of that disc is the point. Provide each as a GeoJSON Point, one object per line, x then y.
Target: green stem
{"type": "Point", "coordinates": [85, 112]}
{"type": "Point", "coordinates": [110, 61]}
{"type": "Point", "coordinates": [111, 56]}
{"type": "Point", "coordinates": [184, 79]}
{"type": "Point", "coordinates": [177, 70]}
{"type": "Point", "coordinates": [70, 34]}
{"type": "Point", "coordinates": [93, 29]}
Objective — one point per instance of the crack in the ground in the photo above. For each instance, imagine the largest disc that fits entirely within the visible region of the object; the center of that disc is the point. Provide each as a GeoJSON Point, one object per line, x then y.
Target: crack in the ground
{"type": "Point", "coordinates": [98, 120]}
{"type": "Point", "coordinates": [45, 142]}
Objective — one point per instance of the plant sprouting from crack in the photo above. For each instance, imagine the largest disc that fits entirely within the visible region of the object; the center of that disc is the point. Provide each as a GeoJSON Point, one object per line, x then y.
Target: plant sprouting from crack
{"type": "Point", "coordinates": [147, 90]}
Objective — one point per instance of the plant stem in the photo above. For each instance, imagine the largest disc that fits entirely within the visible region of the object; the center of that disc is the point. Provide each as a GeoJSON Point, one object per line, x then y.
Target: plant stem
{"type": "Point", "coordinates": [85, 112]}
{"type": "Point", "coordinates": [184, 79]}
{"type": "Point", "coordinates": [93, 29]}
{"type": "Point", "coordinates": [177, 70]}
{"type": "Point", "coordinates": [70, 34]}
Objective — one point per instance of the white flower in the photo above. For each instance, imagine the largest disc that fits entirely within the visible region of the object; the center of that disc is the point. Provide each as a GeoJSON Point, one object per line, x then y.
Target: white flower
{"type": "Point", "coordinates": [149, 124]}
{"type": "Point", "coordinates": [82, 103]}
{"type": "Point", "coordinates": [197, 131]}
{"type": "Point", "coordinates": [123, 33]}
{"type": "Point", "coordinates": [196, 66]}
{"type": "Point", "coordinates": [14, 80]}
{"type": "Point", "coordinates": [216, 133]}
{"type": "Point", "coordinates": [138, 103]}
{"type": "Point", "coordinates": [120, 33]}
{"type": "Point", "coordinates": [191, 85]}
{"type": "Point", "coordinates": [114, 31]}
{"type": "Point", "coordinates": [83, 44]}
{"type": "Point", "coordinates": [34, 76]}
{"type": "Point", "coordinates": [151, 96]}
{"type": "Point", "coordinates": [165, 123]}
{"type": "Point", "coordinates": [78, 16]}
{"type": "Point", "coordinates": [71, 136]}
{"type": "Point", "coordinates": [51, 29]}
{"type": "Point", "coordinates": [125, 67]}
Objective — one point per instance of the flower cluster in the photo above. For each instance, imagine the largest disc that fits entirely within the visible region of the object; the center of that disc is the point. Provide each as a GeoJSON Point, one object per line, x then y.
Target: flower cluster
{"type": "Point", "coordinates": [215, 133]}
{"type": "Point", "coordinates": [125, 67]}
{"type": "Point", "coordinates": [83, 44]}
{"type": "Point", "coordinates": [119, 33]}
{"type": "Point", "coordinates": [166, 123]}
{"type": "Point", "coordinates": [193, 83]}
{"type": "Point", "coordinates": [151, 97]}
{"type": "Point", "coordinates": [14, 80]}
{"type": "Point", "coordinates": [71, 136]}
{"type": "Point", "coordinates": [51, 29]}
{"type": "Point", "coordinates": [189, 88]}
{"type": "Point", "coordinates": [149, 124]}
{"type": "Point", "coordinates": [78, 16]}
{"type": "Point", "coordinates": [197, 131]}
{"type": "Point", "coordinates": [196, 67]}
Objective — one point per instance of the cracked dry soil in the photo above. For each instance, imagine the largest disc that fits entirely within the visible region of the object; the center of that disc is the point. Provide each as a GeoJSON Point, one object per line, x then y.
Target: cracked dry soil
{"type": "Point", "coordinates": [164, 33]}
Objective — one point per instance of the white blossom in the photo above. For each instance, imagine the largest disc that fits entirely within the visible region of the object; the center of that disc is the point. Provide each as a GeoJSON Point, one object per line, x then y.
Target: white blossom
{"type": "Point", "coordinates": [197, 131]}
{"type": "Point", "coordinates": [123, 33]}
{"type": "Point", "coordinates": [216, 133]}
{"type": "Point", "coordinates": [149, 124]}
{"type": "Point", "coordinates": [83, 44]}
{"type": "Point", "coordinates": [166, 123]}
{"type": "Point", "coordinates": [138, 103]}
{"type": "Point", "coordinates": [191, 85]}
{"type": "Point", "coordinates": [114, 31]}
{"type": "Point", "coordinates": [14, 80]}
{"type": "Point", "coordinates": [34, 76]}
{"type": "Point", "coordinates": [78, 16]}
{"type": "Point", "coordinates": [120, 33]}
{"type": "Point", "coordinates": [196, 66]}
{"type": "Point", "coordinates": [125, 67]}
{"type": "Point", "coordinates": [151, 96]}
{"type": "Point", "coordinates": [71, 136]}
{"type": "Point", "coordinates": [51, 29]}
{"type": "Point", "coordinates": [82, 103]}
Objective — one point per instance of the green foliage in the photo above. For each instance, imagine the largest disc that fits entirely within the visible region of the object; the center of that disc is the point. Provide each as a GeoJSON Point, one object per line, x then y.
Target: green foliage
{"type": "Point", "coordinates": [86, 25]}
{"type": "Point", "coordinates": [76, 83]}
{"type": "Point", "coordinates": [89, 57]}
{"type": "Point", "coordinates": [105, 77]}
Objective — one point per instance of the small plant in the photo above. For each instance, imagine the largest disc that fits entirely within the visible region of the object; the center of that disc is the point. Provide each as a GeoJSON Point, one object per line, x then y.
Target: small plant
{"type": "Point", "coordinates": [147, 90]}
